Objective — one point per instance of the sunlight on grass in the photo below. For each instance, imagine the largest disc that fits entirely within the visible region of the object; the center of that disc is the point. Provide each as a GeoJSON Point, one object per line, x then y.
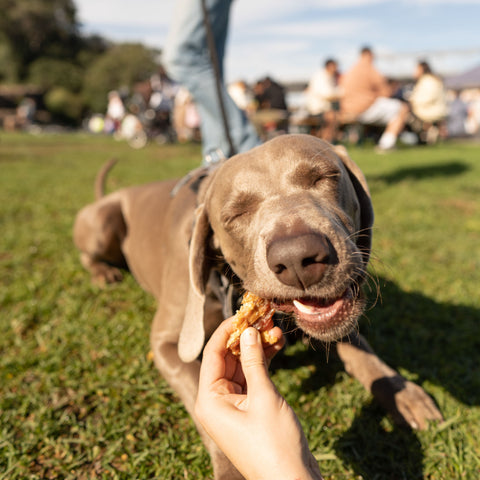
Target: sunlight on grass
{"type": "Point", "coordinates": [81, 398]}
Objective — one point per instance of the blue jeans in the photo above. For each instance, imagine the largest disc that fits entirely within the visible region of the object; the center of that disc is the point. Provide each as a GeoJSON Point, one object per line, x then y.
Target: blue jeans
{"type": "Point", "coordinates": [187, 60]}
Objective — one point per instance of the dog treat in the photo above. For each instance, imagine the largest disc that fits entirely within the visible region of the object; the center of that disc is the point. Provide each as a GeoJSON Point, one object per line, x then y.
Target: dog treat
{"type": "Point", "coordinates": [256, 312]}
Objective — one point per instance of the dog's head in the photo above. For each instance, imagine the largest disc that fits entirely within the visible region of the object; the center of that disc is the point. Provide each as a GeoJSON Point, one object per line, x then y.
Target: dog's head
{"type": "Point", "coordinates": [292, 219]}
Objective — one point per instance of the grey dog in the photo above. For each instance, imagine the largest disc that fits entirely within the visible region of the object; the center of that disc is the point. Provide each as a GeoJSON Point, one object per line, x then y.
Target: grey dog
{"type": "Point", "coordinates": [290, 221]}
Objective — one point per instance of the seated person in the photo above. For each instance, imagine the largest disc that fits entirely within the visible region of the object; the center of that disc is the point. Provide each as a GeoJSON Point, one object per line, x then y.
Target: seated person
{"type": "Point", "coordinates": [428, 102]}
{"type": "Point", "coordinates": [322, 97]}
{"type": "Point", "coordinates": [457, 117]}
{"type": "Point", "coordinates": [367, 97]}
{"type": "Point", "coordinates": [271, 115]}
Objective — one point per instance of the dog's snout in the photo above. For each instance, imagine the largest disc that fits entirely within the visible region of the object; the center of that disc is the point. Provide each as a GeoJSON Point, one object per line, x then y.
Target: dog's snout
{"type": "Point", "coordinates": [299, 261]}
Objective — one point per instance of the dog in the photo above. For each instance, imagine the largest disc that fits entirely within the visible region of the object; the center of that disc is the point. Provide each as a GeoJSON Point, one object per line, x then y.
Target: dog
{"type": "Point", "coordinates": [290, 220]}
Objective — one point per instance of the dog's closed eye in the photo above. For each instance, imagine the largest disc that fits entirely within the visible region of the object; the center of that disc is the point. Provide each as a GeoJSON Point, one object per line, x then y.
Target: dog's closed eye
{"type": "Point", "coordinates": [307, 175]}
{"type": "Point", "coordinates": [322, 178]}
{"type": "Point", "coordinates": [240, 205]}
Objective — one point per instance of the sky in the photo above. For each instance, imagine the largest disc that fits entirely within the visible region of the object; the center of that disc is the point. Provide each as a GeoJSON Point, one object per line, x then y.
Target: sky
{"type": "Point", "coordinates": [290, 39]}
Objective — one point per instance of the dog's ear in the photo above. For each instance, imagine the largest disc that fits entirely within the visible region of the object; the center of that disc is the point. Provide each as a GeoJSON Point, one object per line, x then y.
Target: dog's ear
{"type": "Point", "coordinates": [192, 336]}
{"type": "Point", "coordinates": [363, 194]}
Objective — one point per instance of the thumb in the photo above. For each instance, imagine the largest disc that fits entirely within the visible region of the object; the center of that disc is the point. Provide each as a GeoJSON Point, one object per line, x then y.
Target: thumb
{"type": "Point", "coordinates": [254, 363]}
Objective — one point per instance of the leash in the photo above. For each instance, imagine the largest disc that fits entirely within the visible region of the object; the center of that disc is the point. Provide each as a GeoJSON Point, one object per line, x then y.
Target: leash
{"type": "Point", "coordinates": [201, 172]}
{"type": "Point", "coordinates": [218, 77]}
{"type": "Point", "coordinates": [224, 289]}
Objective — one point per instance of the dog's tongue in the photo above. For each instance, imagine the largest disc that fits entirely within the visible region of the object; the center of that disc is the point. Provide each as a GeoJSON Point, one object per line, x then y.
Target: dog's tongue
{"type": "Point", "coordinates": [312, 310]}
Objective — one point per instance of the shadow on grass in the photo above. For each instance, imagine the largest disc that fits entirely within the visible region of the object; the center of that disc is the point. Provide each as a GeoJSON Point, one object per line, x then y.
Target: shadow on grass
{"type": "Point", "coordinates": [454, 167]}
{"type": "Point", "coordinates": [436, 343]}
{"type": "Point", "coordinates": [373, 452]}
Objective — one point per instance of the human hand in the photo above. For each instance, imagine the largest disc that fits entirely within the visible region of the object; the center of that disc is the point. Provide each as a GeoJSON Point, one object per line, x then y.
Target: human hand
{"type": "Point", "coordinates": [242, 411]}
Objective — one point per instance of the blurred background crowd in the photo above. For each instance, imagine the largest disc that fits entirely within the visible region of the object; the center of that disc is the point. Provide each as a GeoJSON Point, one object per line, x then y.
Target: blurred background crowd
{"type": "Point", "coordinates": [52, 76]}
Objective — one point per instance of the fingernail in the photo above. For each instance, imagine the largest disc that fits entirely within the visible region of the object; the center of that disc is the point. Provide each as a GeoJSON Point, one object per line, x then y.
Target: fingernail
{"type": "Point", "coordinates": [250, 336]}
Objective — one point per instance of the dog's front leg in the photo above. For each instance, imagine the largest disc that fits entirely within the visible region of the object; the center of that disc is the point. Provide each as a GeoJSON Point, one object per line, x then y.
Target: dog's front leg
{"type": "Point", "coordinates": [183, 378]}
{"type": "Point", "coordinates": [404, 400]}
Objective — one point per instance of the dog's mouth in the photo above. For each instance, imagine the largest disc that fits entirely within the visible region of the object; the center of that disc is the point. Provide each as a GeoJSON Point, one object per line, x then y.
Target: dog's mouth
{"type": "Point", "coordinates": [325, 319]}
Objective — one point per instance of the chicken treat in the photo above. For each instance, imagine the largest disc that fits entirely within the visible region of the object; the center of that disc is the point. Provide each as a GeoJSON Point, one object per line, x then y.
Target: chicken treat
{"type": "Point", "coordinates": [256, 312]}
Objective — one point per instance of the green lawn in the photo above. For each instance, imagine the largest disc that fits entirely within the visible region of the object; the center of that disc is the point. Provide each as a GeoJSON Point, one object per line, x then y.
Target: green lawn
{"type": "Point", "coordinates": [81, 399]}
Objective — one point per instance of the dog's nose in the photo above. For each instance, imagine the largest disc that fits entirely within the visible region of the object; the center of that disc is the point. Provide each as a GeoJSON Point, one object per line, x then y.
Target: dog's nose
{"type": "Point", "coordinates": [299, 261]}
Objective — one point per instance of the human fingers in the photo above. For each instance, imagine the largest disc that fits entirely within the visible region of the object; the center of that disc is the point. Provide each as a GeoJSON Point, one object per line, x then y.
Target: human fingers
{"type": "Point", "coordinates": [214, 365]}
{"type": "Point", "coordinates": [216, 392]}
{"type": "Point", "coordinates": [254, 362]}
{"type": "Point", "coordinates": [272, 350]}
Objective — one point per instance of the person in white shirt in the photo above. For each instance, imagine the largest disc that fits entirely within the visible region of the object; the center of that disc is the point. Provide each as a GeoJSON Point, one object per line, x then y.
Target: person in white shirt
{"type": "Point", "coordinates": [428, 99]}
{"type": "Point", "coordinates": [428, 102]}
{"type": "Point", "coordinates": [322, 96]}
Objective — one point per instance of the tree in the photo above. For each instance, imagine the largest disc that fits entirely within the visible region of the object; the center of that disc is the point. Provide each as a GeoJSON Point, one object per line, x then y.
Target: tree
{"type": "Point", "coordinates": [41, 44]}
{"type": "Point", "coordinates": [49, 72]}
{"type": "Point", "coordinates": [121, 66]}
{"type": "Point", "coordinates": [30, 29]}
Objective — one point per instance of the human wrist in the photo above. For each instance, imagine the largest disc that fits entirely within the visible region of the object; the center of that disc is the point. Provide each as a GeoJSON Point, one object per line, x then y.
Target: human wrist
{"type": "Point", "coordinates": [304, 468]}
{"type": "Point", "coordinates": [289, 469]}
{"type": "Point", "coordinates": [302, 472]}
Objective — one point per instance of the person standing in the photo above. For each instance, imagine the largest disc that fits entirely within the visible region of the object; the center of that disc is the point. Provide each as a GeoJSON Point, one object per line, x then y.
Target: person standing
{"type": "Point", "coordinates": [187, 58]}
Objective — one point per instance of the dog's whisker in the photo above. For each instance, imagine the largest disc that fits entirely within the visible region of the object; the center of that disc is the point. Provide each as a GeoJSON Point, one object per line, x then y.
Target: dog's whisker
{"type": "Point", "coordinates": [361, 233]}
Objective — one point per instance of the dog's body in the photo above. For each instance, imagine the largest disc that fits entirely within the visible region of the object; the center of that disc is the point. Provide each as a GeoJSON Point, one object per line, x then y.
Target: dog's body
{"type": "Point", "coordinates": [290, 221]}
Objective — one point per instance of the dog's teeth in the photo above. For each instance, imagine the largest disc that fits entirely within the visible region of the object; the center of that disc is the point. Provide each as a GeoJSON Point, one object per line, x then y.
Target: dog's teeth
{"type": "Point", "coordinates": [304, 308]}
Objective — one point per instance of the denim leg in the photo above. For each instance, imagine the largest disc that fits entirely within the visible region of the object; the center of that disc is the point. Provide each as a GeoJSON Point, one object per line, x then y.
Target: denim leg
{"type": "Point", "coordinates": [187, 60]}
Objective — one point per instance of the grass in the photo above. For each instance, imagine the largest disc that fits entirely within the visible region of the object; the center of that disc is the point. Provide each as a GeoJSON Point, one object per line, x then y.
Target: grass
{"type": "Point", "coordinates": [81, 399]}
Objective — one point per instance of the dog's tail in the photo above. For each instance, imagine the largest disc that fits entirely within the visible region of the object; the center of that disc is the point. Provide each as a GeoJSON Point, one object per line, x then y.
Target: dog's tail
{"type": "Point", "coordinates": [101, 176]}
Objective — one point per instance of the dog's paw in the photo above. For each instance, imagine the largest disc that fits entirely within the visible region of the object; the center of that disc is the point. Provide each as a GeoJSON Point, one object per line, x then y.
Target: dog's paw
{"type": "Point", "coordinates": [105, 274]}
{"type": "Point", "coordinates": [407, 402]}
{"type": "Point", "coordinates": [416, 407]}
